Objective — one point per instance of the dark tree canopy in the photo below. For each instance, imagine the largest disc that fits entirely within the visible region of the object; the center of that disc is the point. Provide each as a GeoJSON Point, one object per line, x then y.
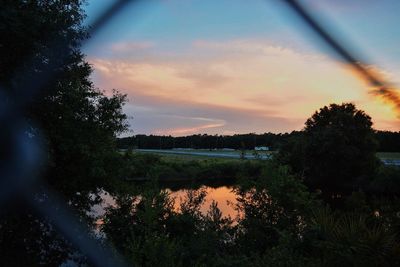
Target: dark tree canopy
{"type": "Point", "coordinates": [388, 141]}
{"type": "Point", "coordinates": [40, 49]}
{"type": "Point", "coordinates": [337, 148]}
{"type": "Point", "coordinates": [41, 46]}
{"type": "Point", "coordinates": [341, 145]}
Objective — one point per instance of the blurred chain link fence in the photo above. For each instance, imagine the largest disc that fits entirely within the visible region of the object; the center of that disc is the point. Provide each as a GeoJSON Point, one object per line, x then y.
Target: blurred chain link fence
{"type": "Point", "coordinates": [22, 154]}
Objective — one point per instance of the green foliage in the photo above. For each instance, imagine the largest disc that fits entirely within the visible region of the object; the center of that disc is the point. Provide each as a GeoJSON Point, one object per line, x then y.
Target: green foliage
{"type": "Point", "coordinates": [353, 239]}
{"type": "Point", "coordinates": [142, 235]}
{"type": "Point", "coordinates": [274, 206]}
{"type": "Point", "coordinates": [340, 147]}
{"type": "Point", "coordinates": [388, 141]}
{"type": "Point", "coordinates": [26, 240]}
{"type": "Point", "coordinates": [144, 166]}
{"type": "Point", "coordinates": [386, 180]}
{"type": "Point", "coordinates": [292, 153]}
{"type": "Point", "coordinates": [152, 232]}
{"type": "Point", "coordinates": [40, 45]}
{"type": "Point", "coordinates": [280, 224]}
{"type": "Point", "coordinates": [336, 150]}
{"type": "Point", "coordinates": [78, 122]}
{"type": "Point", "coordinates": [137, 165]}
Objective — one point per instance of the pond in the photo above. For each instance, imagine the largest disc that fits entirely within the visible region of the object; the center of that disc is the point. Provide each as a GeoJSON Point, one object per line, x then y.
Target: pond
{"type": "Point", "coordinates": [222, 194]}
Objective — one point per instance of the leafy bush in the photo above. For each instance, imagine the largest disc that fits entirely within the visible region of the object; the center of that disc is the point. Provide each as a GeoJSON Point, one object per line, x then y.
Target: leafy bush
{"type": "Point", "coordinates": [387, 180]}
{"type": "Point", "coordinates": [353, 239]}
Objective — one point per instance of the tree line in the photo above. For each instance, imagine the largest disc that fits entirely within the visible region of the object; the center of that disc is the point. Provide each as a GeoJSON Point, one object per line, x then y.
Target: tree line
{"type": "Point", "coordinates": [387, 141]}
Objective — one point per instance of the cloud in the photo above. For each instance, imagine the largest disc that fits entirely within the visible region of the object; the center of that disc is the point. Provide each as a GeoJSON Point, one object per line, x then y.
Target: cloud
{"type": "Point", "coordinates": [237, 86]}
{"type": "Point", "coordinates": [175, 117]}
{"type": "Point", "coordinates": [187, 130]}
{"type": "Point", "coordinates": [253, 47]}
{"type": "Point", "coordinates": [123, 47]}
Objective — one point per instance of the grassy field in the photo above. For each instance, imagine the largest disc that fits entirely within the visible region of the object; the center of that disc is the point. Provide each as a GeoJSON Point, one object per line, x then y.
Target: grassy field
{"type": "Point", "coordinates": [234, 152]}
{"type": "Point", "coordinates": [388, 155]}
{"type": "Point", "coordinates": [174, 157]}
{"type": "Point", "coordinates": [381, 155]}
{"type": "Point", "coordinates": [208, 151]}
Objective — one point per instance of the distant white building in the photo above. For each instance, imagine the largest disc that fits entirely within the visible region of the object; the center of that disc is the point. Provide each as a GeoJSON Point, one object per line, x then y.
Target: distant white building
{"type": "Point", "coordinates": [261, 148]}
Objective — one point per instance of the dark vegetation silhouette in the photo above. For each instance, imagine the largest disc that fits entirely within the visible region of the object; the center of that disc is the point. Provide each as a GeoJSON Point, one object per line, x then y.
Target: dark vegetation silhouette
{"type": "Point", "coordinates": [203, 141]}
{"type": "Point", "coordinates": [78, 122]}
{"type": "Point", "coordinates": [324, 200]}
{"type": "Point", "coordinates": [387, 141]}
{"type": "Point", "coordinates": [336, 150]}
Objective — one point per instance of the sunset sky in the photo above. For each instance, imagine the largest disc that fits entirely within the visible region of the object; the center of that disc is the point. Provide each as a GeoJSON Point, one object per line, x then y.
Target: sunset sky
{"type": "Point", "coordinates": [238, 66]}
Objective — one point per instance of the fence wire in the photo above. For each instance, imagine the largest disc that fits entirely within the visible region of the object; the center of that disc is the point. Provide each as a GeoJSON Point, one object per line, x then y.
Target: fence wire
{"type": "Point", "coordinates": [22, 154]}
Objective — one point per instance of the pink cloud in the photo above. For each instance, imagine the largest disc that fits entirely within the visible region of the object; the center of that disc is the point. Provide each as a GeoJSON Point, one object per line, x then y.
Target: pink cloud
{"type": "Point", "coordinates": [239, 86]}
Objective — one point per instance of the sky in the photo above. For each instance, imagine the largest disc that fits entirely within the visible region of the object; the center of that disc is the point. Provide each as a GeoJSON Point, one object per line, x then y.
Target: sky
{"type": "Point", "coordinates": [239, 66]}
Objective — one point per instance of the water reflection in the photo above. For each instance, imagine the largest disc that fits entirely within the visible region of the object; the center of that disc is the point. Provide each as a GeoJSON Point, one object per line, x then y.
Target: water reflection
{"type": "Point", "coordinates": [223, 195]}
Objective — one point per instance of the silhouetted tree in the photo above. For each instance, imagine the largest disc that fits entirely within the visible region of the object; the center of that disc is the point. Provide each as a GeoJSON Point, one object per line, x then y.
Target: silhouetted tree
{"type": "Point", "coordinates": [388, 141]}
{"type": "Point", "coordinates": [336, 150]}
{"type": "Point", "coordinates": [40, 46]}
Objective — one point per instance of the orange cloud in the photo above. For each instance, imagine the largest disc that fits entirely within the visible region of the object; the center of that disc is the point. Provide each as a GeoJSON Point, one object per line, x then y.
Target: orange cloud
{"type": "Point", "coordinates": [272, 81]}
{"type": "Point", "coordinates": [189, 130]}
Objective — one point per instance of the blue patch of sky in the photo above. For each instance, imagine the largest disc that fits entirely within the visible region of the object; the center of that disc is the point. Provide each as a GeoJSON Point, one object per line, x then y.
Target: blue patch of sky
{"type": "Point", "coordinates": [368, 28]}
{"type": "Point", "coordinates": [176, 24]}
